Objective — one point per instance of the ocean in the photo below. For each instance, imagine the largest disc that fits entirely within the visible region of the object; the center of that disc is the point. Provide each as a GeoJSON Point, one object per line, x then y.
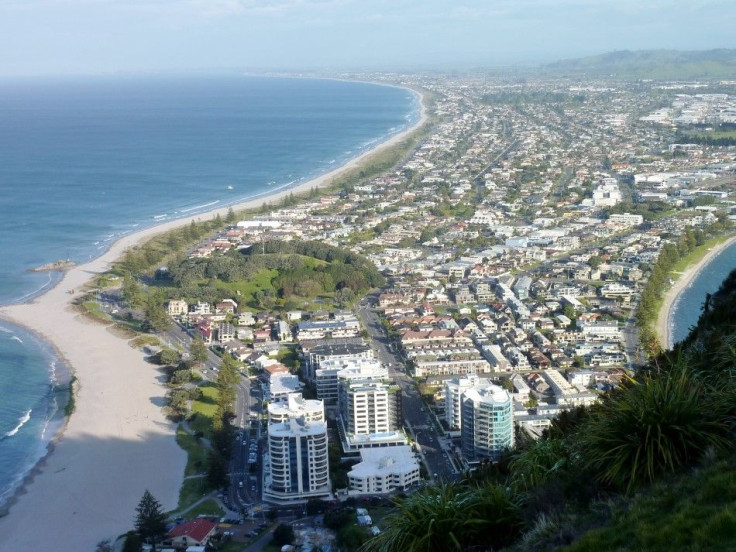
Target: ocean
{"type": "Point", "coordinates": [689, 304]}
{"type": "Point", "coordinates": [86, 161]}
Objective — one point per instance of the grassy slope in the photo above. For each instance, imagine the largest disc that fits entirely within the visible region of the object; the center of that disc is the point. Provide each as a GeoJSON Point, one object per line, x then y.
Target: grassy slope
{"type": "Point", "coordinates": [204, 410]}
{"type": "Point", "coordinates": [691, 513]}
{"type": "Point", "coordinates": [201, 421]}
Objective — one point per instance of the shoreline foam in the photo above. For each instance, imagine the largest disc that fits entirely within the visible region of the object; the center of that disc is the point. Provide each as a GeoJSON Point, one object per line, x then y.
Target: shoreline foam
{"type": "Point", "coordinates": [666, 311]}
{"type": "Point", "coordinates": [116, 444]}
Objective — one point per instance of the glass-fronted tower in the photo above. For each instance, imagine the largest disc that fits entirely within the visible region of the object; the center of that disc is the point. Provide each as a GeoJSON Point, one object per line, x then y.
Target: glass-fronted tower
{"type": "Point", "coordinates": [487, 422]}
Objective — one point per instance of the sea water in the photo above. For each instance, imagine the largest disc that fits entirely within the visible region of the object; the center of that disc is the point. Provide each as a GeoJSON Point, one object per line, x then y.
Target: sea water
{"type": "Point", "coordinates": [86, 161]}
{"type": "Point", "coordinates": [689, 303]}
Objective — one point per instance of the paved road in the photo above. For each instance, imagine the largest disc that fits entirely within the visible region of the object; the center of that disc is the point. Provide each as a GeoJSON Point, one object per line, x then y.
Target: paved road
{"type": "Point", "coordinates": [243, 490]}
{"type": "Point", "coordinates": [416, 416]}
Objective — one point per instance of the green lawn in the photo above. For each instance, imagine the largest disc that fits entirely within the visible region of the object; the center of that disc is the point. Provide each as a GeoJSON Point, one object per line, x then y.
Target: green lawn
{"type": "Point", "coordinates": [206, 508]}
{"type": "Point", "coordinates": [192, 490]}
{"type": "Point", "coordinates": [92, 308]}
{"type": "Point", "coordinates": [203, 410]}
{"type": "Point", "coordinates": [143, 340]}
{"type": "Point", "coordinates": [259, 281]}
{"type": "Point", "coordinates": [196, 452]}
{"type": "Point", "coordinates": [715, 134]}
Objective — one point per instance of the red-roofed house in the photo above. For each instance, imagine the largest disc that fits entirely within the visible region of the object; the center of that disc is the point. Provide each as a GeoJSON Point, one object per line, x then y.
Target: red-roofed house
{"type": "Point", "coordinates": [192, 533]}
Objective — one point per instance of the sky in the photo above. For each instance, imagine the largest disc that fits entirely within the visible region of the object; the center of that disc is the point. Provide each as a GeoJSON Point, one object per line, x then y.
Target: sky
{"type": "Point", "coordinates": [60, 37]}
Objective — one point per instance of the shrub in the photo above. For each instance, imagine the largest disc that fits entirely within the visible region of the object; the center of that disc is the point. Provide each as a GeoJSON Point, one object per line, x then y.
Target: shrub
{"type": "Point", "coordinates": [659, 425]}
{"type": "Point", "coordinates": [537, 463]}
{"type": "Point", "coordinates": [448, 517]}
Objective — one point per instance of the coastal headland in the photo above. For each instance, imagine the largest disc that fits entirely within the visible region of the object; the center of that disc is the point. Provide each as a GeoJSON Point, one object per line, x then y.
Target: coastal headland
{"type": "Point", "coordinates": [664, 317]}
{"type": "Point", "coordinates": [60, 265]}
{"type": "Point", "coordinates": [117, 443]}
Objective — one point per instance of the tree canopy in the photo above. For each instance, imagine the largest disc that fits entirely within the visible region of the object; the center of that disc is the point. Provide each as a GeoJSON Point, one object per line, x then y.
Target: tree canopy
{"type": "Point", "coordinates": [150, 520]}
{"type": "Point", "coordinates": [301, 269]}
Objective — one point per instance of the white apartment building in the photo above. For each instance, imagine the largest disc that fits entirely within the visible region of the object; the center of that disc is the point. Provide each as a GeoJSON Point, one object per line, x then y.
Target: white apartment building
{"type": "Point", "coordinates": [602, 329]}
{"type": "Point", "coordinates": [225, 332]}
{"type": "Point", "coordinates": [348, 368]}
{"type": "Point", "coordinates": [627, 219]}
{"type": "Point", "coordinates": [364, 407]}
{"type": "Point", "coordinates": [451, 367]}
{"type": "Point", "coordinates": [454, 390]}
{"type": "Point", "coordinates": [281, 385]}
{"type": "Point", "coordinates": [297, 466]}
{"type": "Point", "coordinates": [295, 406]}
{"type": "Point", "coordinates": [487, 422]}
{"type": "Point", "coordinates": [200, 308]}
{"type": "Point", "coordinates": [564, 393]}
{"type": "Point", "coordinates": [612, 290]}
{"type": "Point", "coordinates": [336, 351]}
{"type": "Point", "coordinates": [607, 194]}
{"type": "Point", "coordinates": [493, 354]}
{"type": "Point", "coordinates": [384, 470]}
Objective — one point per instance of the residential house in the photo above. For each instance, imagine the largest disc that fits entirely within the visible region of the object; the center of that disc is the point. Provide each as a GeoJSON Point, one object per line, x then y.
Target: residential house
{"type": "Point", "coordinates": [226, 306]}
{"type": "Point", "coordinates": [177, 307]}
{"type": "Point", "coordinates": [197, 532]}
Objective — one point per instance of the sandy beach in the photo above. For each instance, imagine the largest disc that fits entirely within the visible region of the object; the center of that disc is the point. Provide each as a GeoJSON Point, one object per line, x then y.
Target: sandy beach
{"type": "Point", "coordinates": [665, 313]}
{"type": "Point", "coordinates": [117, 443]}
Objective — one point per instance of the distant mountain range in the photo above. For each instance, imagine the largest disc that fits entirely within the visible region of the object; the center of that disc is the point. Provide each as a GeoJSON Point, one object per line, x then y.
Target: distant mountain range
{"type": "Point", "coordinates": [651, 64]}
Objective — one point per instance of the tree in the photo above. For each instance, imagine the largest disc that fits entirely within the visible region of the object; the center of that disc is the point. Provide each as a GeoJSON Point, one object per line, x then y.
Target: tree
{"type": "Point", "coordinates": [169, 357]}
{"type": "Point", "coordinates": [595, 261]}
{"type": "Point", "coordinates": [156, 319]}
{"type": "Point", "coordinates": [315, 506]}
{"type": "Point", "coordinates": [217, 471]}
{"type": "Point", "coordinates": [351, 537]}
{"type": "Point", "coordinates": [283, 534]}
{"type": "Point", "coordinates": [182, 376]}
{"type": "Point", "coordinates": [198, 350]}
{"type": "Point", "coordinates": [569, 311]}
{"type": "Point", "coordinates": [231, 216]}
{"type": "Point", "coordinates": [150, 520]}
{"type": "Point", "coordinates": [131, 293]}
{"type": "Point", "coordinates": [344, 296]}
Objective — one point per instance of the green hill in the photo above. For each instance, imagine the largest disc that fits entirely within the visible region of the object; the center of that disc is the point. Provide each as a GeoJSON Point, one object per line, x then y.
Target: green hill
{"type": "Point", "coordinates": [650, 64]}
